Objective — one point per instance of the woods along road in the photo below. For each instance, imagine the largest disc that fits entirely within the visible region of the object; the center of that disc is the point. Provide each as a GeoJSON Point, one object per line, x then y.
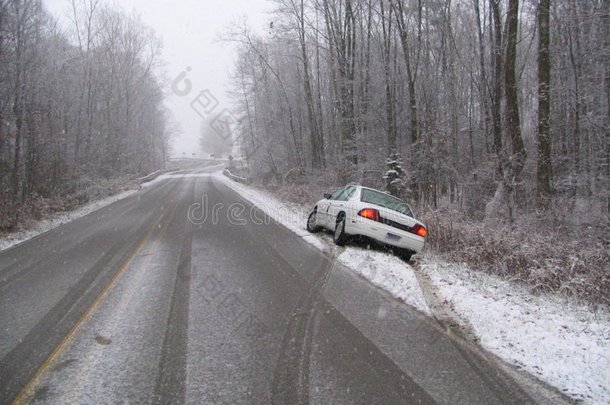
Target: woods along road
{"type": "Point", "coordinates": [140, 302]}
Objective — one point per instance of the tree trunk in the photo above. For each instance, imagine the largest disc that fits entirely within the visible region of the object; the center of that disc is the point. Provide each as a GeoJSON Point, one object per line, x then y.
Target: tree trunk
{"type": "Point", "coordinates": [606, 31]}
{"type": "Point", "coordinates": [341, 28]}
{"type": "Point", "coordinates": [317, 143]}
{"type": "Point", "coordinates": [496, 102]}
{"type": "Point", "coordinates": [386, 24]}
{"type": "Point", "coordinates": [18, 102]}
{"type": "Point", "coordinates": [575, 60]}
{"type": "Point", "coordinates": [411, 67]}
{"type": "Point", "coordinates": [483, 82]}
{"type": "Point", "coordinates": [513, 124]}
{"type": "Point", "coordinates": [410, 64]}
{"type": "Point", "coordinates": [544, 172]}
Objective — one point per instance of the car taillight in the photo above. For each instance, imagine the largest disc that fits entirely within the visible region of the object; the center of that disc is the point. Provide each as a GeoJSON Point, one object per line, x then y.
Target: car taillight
{"type": "Point", "coordinates": [420, 230]}
{"type": "Point", "coordinates": [369, 213]}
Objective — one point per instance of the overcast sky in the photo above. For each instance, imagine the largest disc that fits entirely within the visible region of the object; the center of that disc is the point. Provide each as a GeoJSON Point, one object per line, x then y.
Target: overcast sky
{"type": "Point", "coordinates": [190, 31]}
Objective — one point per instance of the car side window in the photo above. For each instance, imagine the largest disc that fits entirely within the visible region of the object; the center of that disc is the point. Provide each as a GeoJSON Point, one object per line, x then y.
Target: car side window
{"type": "Point", "coordinates": [336, 194]}
{"type": "Point", "coordinates": [349, 193]}
{"type": "Point", "coordinates": [346, 194]}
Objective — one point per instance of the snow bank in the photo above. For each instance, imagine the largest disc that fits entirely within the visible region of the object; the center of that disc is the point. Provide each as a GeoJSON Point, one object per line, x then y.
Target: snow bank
{"type": "Point", "coordinates": [563, 343]}
{"type": "Point", "coordinates": [59, 219]}
{"type": "Point", "coordinates": [387, 272]}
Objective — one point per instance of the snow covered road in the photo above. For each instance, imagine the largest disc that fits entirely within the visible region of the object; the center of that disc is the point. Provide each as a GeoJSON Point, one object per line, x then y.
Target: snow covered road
{"type": "Point", "coordinates": [184, 292]}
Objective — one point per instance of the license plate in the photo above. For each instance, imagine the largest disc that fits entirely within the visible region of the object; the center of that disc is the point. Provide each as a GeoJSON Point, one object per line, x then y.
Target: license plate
{"type": "Point", "coordinates": [391, 236]}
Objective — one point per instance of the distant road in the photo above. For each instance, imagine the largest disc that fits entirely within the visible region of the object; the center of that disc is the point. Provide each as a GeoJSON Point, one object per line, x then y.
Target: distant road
{"type": "Point", "coordinates": [135, 303]}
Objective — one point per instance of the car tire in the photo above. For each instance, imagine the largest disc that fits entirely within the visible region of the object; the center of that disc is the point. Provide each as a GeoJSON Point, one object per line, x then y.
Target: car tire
{"type": "Point", "coordinates": [404, 254]}
{"type": "Point", "coordinates": [312, 225]}
{"type": "Point", "coordinates": [339, 237]}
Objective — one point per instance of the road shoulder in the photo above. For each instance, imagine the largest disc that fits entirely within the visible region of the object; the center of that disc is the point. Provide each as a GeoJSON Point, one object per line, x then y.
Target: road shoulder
{"type": "Point", "coordinates": [561, 343]}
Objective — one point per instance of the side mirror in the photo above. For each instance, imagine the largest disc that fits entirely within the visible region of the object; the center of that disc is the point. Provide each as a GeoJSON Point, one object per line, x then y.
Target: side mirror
{"type": "Point", "coordinates": [327, 195]}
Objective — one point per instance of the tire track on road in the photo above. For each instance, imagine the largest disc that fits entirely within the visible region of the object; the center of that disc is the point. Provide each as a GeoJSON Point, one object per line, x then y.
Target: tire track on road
{"type": "Point", "coordinates": [24, 387]}
{"type": "Point", "coordinates": [290, 383]}
{"type": "Point", "coordinates": [170, 386]}
{"type": "Point", "coordinates": [290, 379]}
{"type": "Point", "coordinates": [442, 311]}
{"type": "Point", "coordinates": [12, 272]}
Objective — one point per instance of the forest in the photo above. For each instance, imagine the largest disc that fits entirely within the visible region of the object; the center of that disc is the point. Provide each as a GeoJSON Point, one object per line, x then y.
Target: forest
{"type": "Point", "coordinates": [495, 112]}
{"type": "Point", "coordinates": [79, 107]}
{"type": "Point", "coordinates": [490, 117]}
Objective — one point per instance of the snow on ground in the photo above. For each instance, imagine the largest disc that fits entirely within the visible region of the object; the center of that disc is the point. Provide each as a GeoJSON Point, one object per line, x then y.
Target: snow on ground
{"type": "Point", "coordinates": [58, 219]}
{"type": "Point", "coordinates": [563, 343]}
{"type": "Point", "coordinates": [388, 272]}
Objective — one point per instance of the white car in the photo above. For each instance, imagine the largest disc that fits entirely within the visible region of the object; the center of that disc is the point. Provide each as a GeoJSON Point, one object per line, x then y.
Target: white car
{"type": "Point", "coordinates": [361, 211]}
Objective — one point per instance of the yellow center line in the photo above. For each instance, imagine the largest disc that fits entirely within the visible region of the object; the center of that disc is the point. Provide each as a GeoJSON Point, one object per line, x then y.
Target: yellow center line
{"type": "Point", "coordinates": [26, 393]}
{"type": "Point", "coordinates": [75, 391]}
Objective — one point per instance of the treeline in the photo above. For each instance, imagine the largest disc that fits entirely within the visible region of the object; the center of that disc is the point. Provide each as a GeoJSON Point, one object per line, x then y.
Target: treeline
{"type": "Point", "coordinates": [498, 107]}
{"type": "Point", "coordinates": [77, 105]}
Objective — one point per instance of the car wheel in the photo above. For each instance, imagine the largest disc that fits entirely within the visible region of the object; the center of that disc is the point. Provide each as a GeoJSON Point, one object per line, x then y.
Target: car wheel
{"type": "Point", "coordinates": [312, 222]}
{"type": "Point", "coordinates": [340, 237]}
{"type": "Point", "coordinates": [404, 254]}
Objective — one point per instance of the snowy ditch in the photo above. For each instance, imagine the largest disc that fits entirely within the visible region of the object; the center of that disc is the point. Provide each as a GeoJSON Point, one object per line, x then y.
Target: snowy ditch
{"type": "Point", "coordinates": [563, 343]}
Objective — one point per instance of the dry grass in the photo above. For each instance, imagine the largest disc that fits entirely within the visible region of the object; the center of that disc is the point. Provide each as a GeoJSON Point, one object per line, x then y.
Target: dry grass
{"type": "Point", "coordinates": [563, 260]}
{"type": "Point", "coordinates": [36, 207]}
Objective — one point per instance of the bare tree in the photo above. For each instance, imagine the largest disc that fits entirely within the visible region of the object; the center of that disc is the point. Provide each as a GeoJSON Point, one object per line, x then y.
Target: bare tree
{"type": "Point", "coordinates": [341, 32]}
{"type": "Point", "coordinates": [386, 25]}
{"type": "Point", "coordinates": [62, 102]}
{"type": "Point", "coordinates": [317, 142]}
{"type": "Point", "coordinates": [411, 58]}
{"type": "Point", "coordinates": [454, 101]}
{"type": "Point", "coordinates": [544, 172]}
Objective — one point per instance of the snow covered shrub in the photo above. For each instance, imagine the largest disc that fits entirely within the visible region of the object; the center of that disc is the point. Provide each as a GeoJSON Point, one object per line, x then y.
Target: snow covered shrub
{"type": "Point", "coordinates": [32, 209]}
{"type": "Point", "coordinates": [36, 207]}
{"type": "Point", "coordinates": [556, 259]}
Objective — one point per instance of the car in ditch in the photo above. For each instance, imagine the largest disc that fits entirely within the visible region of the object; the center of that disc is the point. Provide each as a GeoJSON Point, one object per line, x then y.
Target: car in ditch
{"type": "Point", "coordinates": [355, 210]}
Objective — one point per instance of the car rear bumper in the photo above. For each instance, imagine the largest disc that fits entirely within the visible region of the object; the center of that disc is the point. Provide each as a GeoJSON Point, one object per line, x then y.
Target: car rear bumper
{"type": "Point", "coordinates": [385, 234]}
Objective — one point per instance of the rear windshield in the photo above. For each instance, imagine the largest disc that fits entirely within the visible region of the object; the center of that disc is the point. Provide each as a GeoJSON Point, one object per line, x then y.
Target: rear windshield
{"type": "Point", "coordinates": [385, 200]}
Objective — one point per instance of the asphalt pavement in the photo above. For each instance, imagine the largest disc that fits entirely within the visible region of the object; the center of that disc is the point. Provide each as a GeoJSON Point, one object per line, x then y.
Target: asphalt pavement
{"type": "Point", "coordinates": [185, 293]}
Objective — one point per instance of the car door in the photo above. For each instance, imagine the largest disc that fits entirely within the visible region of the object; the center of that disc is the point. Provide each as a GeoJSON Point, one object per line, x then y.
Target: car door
{"type": "Point", "coordinates": [324, 208]}
{"type": "Point", "coordinates": [339, 204]}
{"type": "Point", "coordinates": [349, 202]}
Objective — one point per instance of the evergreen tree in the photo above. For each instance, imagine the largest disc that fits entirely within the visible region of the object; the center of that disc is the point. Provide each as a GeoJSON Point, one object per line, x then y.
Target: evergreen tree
{"type": "Point", "coordinates": [395, 175]}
